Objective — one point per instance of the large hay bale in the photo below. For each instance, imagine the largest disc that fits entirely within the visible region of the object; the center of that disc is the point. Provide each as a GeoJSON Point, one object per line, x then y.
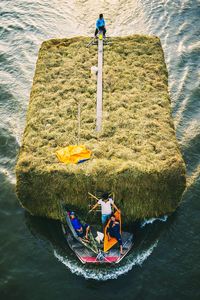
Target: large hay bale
{"type": "Point", "coordinates": [136, 155]}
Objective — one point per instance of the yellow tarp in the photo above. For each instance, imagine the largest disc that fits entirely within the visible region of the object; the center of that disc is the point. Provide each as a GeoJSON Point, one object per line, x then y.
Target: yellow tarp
{"type": "Point", "coordinates": [73, 154]}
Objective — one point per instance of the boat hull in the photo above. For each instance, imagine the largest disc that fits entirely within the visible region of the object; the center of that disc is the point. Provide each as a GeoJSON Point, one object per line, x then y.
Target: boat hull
{"type": "Point", "coordinates": [87, 256]}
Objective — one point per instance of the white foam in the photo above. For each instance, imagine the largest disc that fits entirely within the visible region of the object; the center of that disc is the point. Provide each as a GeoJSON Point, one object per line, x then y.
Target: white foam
{"type": "Point", "coordinates": [152, 220]}
{"type": "Point", "coordinates": [103, 274]}
{"type": "Point", "coordinates": [195, 47]}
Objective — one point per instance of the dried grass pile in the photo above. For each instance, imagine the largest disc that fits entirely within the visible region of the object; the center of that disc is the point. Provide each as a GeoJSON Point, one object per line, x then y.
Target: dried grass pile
{"type": "Point", "coordinates": [136, 155]}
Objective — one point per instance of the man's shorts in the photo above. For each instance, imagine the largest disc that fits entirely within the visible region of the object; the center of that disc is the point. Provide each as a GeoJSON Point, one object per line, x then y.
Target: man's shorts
{"type": "Point", "coordinates": [83, 232]}
{"type": "Point", "coordinates": [105, 218]}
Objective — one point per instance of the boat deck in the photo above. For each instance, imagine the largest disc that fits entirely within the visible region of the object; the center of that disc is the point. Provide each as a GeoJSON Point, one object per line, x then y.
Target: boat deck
{"type": "Point", "coordinates": [86, 255]}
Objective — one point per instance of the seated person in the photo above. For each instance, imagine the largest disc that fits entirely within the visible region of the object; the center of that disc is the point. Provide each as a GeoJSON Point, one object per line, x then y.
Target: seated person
{"type": "Point", "coordinates": [81, 230]}
{"type": "Point", "coordinates": [100, 25]}
{"type": "Point", "coordinates": [113, 230]}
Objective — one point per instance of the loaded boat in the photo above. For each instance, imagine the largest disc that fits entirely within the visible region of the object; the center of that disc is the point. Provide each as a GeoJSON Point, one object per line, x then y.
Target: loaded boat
{"type": "Point", "coordinates": [99, 249]}
{"type": "Point", "coordinates": [93, 251]}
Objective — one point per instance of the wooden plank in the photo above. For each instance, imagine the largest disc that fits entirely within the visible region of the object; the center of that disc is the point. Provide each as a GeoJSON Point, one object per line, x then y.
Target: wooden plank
{"type": "Point", "coordinates": [79, 122]}
{"type": "Point", "coordinates": [99, 86]}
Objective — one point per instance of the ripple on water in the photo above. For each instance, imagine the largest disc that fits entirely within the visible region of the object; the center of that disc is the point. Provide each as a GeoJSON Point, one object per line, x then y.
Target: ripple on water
{"type": "Point", "coordinates": [8, 151]}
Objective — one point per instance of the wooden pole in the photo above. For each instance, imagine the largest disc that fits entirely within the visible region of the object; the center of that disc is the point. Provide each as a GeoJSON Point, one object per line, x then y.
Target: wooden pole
{"type": "Point", "coordinates": [79, 122]}
{"type": "Point", "coordinates": [93, 196]}
{"type": "Point", "coordinates": [100, 85]}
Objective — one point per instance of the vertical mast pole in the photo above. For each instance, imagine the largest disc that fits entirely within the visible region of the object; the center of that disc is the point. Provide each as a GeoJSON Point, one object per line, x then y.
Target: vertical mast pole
{"type": "Point", "coordinates": [79, 122]}
{"type": "Point", "coordinates": [100, 84]}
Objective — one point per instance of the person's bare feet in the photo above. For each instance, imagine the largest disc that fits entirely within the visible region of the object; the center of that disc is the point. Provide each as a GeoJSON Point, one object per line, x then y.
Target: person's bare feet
{"type": "Point", "coordinates": [85, 240]}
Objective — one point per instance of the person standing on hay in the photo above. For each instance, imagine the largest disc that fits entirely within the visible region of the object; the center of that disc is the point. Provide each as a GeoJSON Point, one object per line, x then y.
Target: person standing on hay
{"type": "Point", "coordinates": [100, 26]}
{"type": "Point", "coordinates": [106, 208]}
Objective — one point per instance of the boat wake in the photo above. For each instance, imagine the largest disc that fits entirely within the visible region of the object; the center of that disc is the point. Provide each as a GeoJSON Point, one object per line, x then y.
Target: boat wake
{"type": "Point", "coordinates": [103, 274]}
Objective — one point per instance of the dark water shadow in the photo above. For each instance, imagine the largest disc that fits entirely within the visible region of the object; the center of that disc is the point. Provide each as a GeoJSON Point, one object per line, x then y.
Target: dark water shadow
{"type": "Point", "coordinates": [46, 230]}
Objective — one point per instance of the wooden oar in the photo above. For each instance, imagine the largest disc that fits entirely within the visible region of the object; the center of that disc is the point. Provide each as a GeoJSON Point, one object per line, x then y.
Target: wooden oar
{"type": "Point", "coordinates": [93, 196]}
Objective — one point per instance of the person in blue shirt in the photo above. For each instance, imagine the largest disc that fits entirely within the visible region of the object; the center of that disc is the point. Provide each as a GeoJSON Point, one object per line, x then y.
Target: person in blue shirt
{"type": "Point", "coordinates": [81, 230]}
{"type": "Point", "coordinates": [100, 25]}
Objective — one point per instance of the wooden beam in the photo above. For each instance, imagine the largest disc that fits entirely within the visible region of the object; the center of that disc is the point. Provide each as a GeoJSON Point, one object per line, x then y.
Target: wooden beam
{"type": "Point", "coordinates": [99, 86]}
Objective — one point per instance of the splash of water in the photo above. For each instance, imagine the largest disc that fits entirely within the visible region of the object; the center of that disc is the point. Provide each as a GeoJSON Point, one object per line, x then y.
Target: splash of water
{"type": "Point", "coordinates": [103, 274]}
{"type": "Point", "coordinates": [152, 220]}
